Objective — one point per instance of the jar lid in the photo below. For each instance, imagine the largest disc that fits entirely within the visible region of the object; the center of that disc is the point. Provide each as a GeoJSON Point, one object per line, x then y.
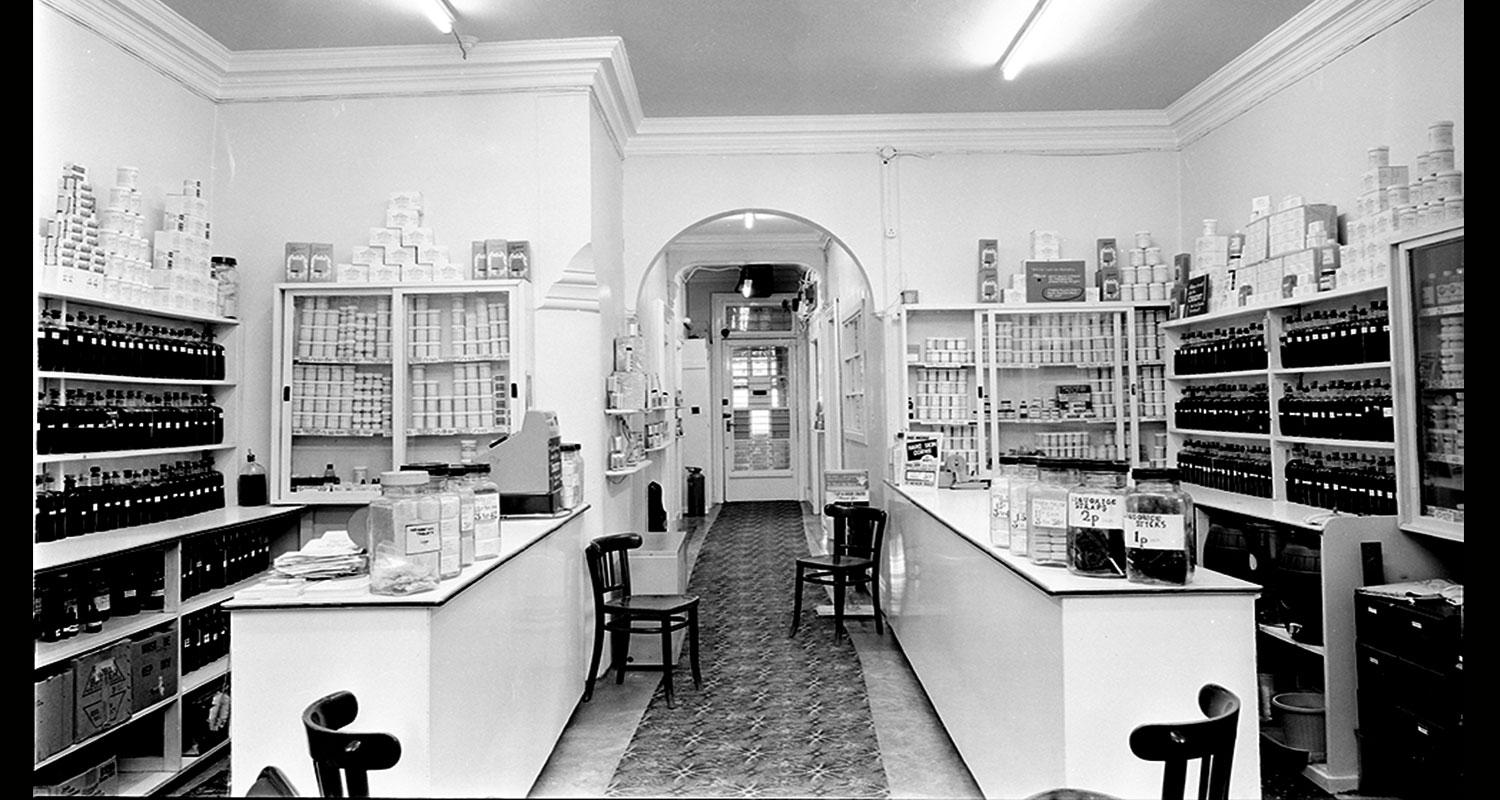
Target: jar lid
{"type": "Point", "coordinates": [1156, 473]}
{"type": "Point", "coordinates": [1027, 460]}
{"type": "Point", "coordinates": [227, 260]}
{"type": "Point", "coordinates": [431, 468]}
{"type": "Point", "coordinates": [570, 446]}
{"type": "Point", "coordinates": [403, 478]}
{"type": "Point", "coordinates": [1009, 459]}
{"type": "Point", "coordinates": [1050, 462]}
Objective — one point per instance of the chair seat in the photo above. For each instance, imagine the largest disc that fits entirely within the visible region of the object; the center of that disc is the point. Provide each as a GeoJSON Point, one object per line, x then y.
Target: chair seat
{"type": "Point", "coordinates": [1071, 794]}
{"type": "Point", "coordinates": [832, 562]}
{"type": "Point", "coordinates": [652, 603]}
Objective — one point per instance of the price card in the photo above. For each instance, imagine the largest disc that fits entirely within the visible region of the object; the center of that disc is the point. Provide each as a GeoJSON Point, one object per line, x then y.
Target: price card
{"type": "Point", "coordinates": [1048, 512]}
{"type": "Point", "coordinates": [421, 538]}
{"type": "Point", "coordinates": [1096, 511]}
{"type": "Point", "coordinates": [1155, 531]}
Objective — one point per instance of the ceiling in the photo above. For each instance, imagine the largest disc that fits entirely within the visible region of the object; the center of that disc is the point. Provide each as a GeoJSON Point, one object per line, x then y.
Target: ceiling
{"type": "Point", "coordinates": [716, 58]}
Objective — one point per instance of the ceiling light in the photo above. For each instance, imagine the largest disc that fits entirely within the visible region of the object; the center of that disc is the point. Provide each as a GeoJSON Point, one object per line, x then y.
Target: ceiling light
{"type": "Point", "coordinates": [440, 13]}
{"type": "Point", "coordinates": [1013, 60]}
{"type": "Point", "coordinates": [746, 287]}
{"type": "Point", "coordinates": [749, 220]}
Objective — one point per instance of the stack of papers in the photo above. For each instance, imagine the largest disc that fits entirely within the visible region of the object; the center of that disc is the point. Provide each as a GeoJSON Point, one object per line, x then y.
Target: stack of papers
{"type": "Point", "coordinates": [332, 555]}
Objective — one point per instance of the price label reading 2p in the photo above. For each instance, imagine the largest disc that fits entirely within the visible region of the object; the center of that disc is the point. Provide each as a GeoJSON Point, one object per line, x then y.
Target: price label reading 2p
{"type": "Point", "coordinates": [1155, 531]}
{"type": "Point", "coordinates": [1096, 511]}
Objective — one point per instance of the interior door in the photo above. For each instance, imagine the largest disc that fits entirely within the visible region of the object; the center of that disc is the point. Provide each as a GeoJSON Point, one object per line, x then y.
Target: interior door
{"type": "Point", "coordinates": [758, 398]}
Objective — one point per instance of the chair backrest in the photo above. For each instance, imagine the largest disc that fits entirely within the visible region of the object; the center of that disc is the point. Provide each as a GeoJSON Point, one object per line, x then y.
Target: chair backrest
{"type": "Point", "coordinates": [340, 758]}
{"type": "Point", "coordinates": [271, 782]}
{"type": "Point", "coordinates": [858, 531]}
{"type": "Point", "coordinates": [1210, 739]}
{"type": "Point", "coordinates": [609, 565]}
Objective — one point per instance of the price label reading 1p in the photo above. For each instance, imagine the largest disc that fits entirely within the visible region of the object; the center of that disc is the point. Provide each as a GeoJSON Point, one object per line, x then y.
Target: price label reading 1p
{"type": "Point", "coordinates": [1155, 531]}
{"type": "Point", "coordinates": [1096, 511]}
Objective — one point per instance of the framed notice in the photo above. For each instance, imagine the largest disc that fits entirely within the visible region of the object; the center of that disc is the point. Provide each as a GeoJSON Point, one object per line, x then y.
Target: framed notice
{"type": "Point", "coordinates": [1196, 301]}
{"type": "Point", "coordinates": [1054, 281]}
{"type": "Point", "coordinates": [846, 486]}
{"type": "Point", "coordinates": [921, 459]}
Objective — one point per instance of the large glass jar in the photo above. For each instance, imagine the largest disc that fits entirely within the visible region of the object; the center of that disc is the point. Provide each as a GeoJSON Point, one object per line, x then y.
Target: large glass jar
{"type": "Point", "coordinates": [1096, 520]}
{"type": "Point", "coordinates": [1006, 468]}
{"type": "Point", "coordinates": [1161, 539]}
{"type": "Point", "coordinates": [572, 474]}
{"type": "Point", "coordinates": [1047, 511]}
{"type": "Point", "coordinates": [449, 565]}
{"type": "Point", "coordinates": [403, 535]}
{"type": "Point", "coordinates": [1025, 476]}
{"type": "Point", "coordinates": [461, 484]}
{"type": "Point", "coordinates": [486, 513]}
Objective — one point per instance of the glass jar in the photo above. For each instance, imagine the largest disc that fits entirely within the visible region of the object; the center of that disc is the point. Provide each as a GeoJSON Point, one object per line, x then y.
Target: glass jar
{"type": "Point", "coordinates": [572, 474]}
{"type": "Point", "coordinates": [404, 540]}
{"type": "Point", "coordinates": [446, 499]}
{"type": "Point", "coordinates": [486, 512]}
{"type": "Point", "coordinates": [1096, 520]}
{"type": "Point", "coordinates": [1161, 540]}
{"type": "Point", "coordinates": [1026, 474]}
{"type": "Point", "coordinates": [1047, 511]}
{"type": "Point", "coordinates": [461, 484]}
{"type": "Point", "coordinates": [1006, 469]}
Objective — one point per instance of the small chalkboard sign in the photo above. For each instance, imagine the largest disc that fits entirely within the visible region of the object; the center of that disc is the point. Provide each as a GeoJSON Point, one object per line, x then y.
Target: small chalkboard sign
{"type": "Point", "coordinates": [1196, 301]}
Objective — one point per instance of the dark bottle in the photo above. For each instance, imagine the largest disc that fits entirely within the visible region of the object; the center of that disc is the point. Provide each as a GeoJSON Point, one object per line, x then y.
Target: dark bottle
{"type": "Point", "coordinates": [98, 584]}
{"type": "Point", "coordinates": [71, 622]}
{"type": "Point", "coordinates": [253, 489]}
{"type": "Point", "coordinates": [154, 597]}
{"type": "Point", "coordinates": [124, 600]}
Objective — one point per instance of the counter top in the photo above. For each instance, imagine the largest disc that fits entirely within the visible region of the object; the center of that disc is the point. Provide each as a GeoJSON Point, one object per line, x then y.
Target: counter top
{"type": "Point", "coordinates": [966, 513]}
{"type": "Point", "coordinates": [516, 535]}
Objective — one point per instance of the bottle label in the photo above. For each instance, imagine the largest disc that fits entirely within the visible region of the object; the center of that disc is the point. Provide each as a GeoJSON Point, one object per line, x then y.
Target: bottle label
{"type": "Point", "coordinates": [421, 537]}
{"type": "Point", "coordinates": [486, 525]}
{"type": "Point", "coordinates": [1049, 512]}
{"type": "Point", "coordinates": [1096, 511]}
{"type": "Point", "coordinates": [1155, 531]}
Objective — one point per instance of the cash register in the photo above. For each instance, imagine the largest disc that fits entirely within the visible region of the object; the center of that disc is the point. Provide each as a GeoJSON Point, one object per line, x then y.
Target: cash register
{"type": "Point", "coordinates": [527, 466]}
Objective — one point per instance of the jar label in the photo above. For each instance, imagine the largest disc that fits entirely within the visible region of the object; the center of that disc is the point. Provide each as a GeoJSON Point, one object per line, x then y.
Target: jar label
{"type": "Point", "coordinates": [1096, 511]}
{"type": "Point", "coordinates": [999, 510]}
{"type": "Point", "coordinates": [1155, 531]}
{"type": "Point", "coordinates": [1049, 512]}
{"type": "Point", "coordinates": [421, 537]}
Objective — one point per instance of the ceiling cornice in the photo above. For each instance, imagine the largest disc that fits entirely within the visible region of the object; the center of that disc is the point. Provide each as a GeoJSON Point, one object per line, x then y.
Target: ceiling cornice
{"type": "Point", "coordinates": [156, 35]}
{"type": "Point", "coordinates": [1313, 38]}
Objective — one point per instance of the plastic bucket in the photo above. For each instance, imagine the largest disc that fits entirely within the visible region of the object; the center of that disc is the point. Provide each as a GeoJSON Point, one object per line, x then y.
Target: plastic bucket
{"type": "Point", "coordinates": [1302, 715]}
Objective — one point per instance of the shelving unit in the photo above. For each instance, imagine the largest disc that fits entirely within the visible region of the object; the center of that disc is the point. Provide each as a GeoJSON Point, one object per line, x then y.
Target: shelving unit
{"type": "Point", "coordinates": [380, 375]}
{"type": "Point", "coordinates": [634, 435]}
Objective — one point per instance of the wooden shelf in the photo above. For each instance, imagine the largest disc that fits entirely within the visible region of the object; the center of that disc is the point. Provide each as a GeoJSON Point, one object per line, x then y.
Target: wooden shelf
{"type": "Point", "coordinates": [418, 361]}
{"type": "Point", "coordinates": [1238, 373]}
{"type": "Point", "coordinates": [61, 553]}
{"type": "Point", "coordinates": [1281, 634]}
{"type": "Point", "coordinates": [344, 362]}
{"type": "Point", "coordinates": [102, 377]}
{"type": "Point", "coordinates": [630, 470]}
{"type": "Point", "coordinates": [49, 653]}
{"type": "Point", "coordinates": [1261, 437]}
{"type": "Point", "coordinates": [201, 676]}
{"type": "Point", "coordinates": [167, 313]}
{"type": "Point", "coordinates": [60, 458]}
{"type": "Point", "coordinates": [1370, 365]}
{"type": "Point", "coordinates": [1288, 302]}
{"type": "Point", "coordinates": [134, 718]}
{"type": "Point", "coordinates": [1320, 442]}
{"type": "Point", "coordinates": [927, 365]}
{"type": "Point", "coordinates": [1441, 311]}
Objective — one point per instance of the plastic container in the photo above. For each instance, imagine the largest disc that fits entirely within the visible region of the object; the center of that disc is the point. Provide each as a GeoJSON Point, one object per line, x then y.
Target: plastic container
{"type": "Point", "coordinates": [1047, 511]}
{"type": "Point", "coordinates": [1007, 468]}
{"type": "Point", "coordinates": [1303, 719]}
{"type": "Point", "coordinates": [253, 488]}
{"type": "Point", "coordinates": [1096, 520]}
{"type": "Point", "coordinates": [486, 513]}
{"type": "Point", "coordinates": [404, 537]}
{"type": "Point", "coordinates": [1161, 540]}
{"type": "Point", "coordinates": [1026, 475]}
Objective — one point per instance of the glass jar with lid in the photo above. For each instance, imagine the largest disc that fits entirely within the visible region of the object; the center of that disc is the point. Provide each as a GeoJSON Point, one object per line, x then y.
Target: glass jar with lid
{"type": "Point", "coordinates": [461, 484]}
{"type": "Point", "coordinates": [572, 474]}
{"type": "Point", "coordinates": [1096, 520]}
{"type": "Point", "coordinates": [1007, 467]}
{"type": "Point", "coordinates": [1026, 474]}
{"type": "Point", "coordinates": [1047, 511]}
{"type": "Point", "coordinates": [404, 540]}
{"type": "Point", "coordinates": [449, 565]}
{"type": "Point", "coordinates": [486, 512]}
{"type": "Point", "coordinates": [1161, 540]}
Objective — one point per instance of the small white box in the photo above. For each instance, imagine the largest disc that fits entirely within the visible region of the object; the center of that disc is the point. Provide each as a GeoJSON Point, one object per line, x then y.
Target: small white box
{"type": "Point", "coordinates": [447, 271]}
{"type": "Point", "coordinates": [405, 200]}
{"type": "Point", "coordinates": [351, 273]}
{"type": "Point", "coordinates": [385, 273]}
{"type": "Point", "coordinates": [387, 237]}
{"type": "Point", "coordinates": [403, 217]}
{"type": "Point", "coordinates": [416, 237]}
{"type": "Point", "coordinates": [368, 254]}
{"type": "Point", "coordinates": [434, 254]}
{"type": "Point", "coordinates": [416, 273]}
{"type": "Point", "coordinates": [401, 256]}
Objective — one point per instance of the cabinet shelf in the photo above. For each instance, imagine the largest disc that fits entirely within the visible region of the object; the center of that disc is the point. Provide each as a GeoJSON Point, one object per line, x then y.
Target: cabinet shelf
{"type": "Point", "coordinates": [930, 365]}
{"type": "Point", "coordinates": [1260, 437]}
{"type": "Point", "coordinates": [76, 549]}
{"type": "Point", "coordinates": [1082, 421]}
{"type": "Point", "coordinates": [1237, 373]}
{"type": "Point", "coordinates": [343, 434]}
{"type": "Point", "coordinates": [1282, 511]}
{"type": "Point", "coordinates": [415, 361]}
{"type": "Point", "coordinates": [492, 431]}
{"type": "Point", "coordinates": [343, 362]}
{"type": "Point", "coordinates": [1009, 365]}
{"type": "Point", "coordinates": [134, 718]}
{"type": "Point", "coordinates": [1363, 444]}
{"type": "Point", "coordinates": [102, 377]}
{"type": "Point", "coordinates": [1281, 634]}
{"type": "Point", "coordinates": [201, 676]}
{"type": "Point", "coordinates": [931, 423]}
{"type": "Point", "coordinates": [1452, 309]}
{"type": "Point", "coordinates": [1289, 302]}
{"type": "Point", "coordinates": [123, 306]}
{"type": "Point", "coordinates": [49, 653]}
{"type": "Point", "coordinates": [57, 458]}
{"type": "Point", "coordinates": [1368, 365]}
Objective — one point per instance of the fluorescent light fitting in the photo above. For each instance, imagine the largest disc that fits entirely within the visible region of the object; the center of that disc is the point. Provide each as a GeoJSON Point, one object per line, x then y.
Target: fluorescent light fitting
{"type": "Point", "coordinates": [440, 13]}
{"type": "Point", "coordinates": [1012, 61]}
{"type": "Point", "coordinates": [749, 220]}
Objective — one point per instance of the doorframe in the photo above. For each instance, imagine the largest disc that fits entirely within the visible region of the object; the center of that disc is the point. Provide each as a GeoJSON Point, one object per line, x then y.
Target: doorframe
{"type": "Point", "coordinates": [797, 364]}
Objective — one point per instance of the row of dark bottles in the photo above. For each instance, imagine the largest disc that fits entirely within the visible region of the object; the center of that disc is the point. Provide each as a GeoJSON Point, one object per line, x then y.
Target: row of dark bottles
{"type": "Point", "coordinates": [1328, 337]}
{"type": "Point", "coordinates": [76, 601]}
{"type": "Point", "coordinates": [205, 637]}
{"type": "Point", "coordinates": [1245, 469]}
{"type": "Point", "coordinates": [1338, 410]}
{"type": "Point", "coordinates": [219, 560]}
{"type": "Point", "coordinates": [1238, 408]}
{"type": "Point", "coordinates": [95, 344]}
{"type": "Point", "coordinates": [1221, 350]}
{"type": "Point", "coordinates": [1349, 482]}
{"type": "Point", "coordinates": [118, 419]}
{"type": "Point", "coordinates": [97, 500]}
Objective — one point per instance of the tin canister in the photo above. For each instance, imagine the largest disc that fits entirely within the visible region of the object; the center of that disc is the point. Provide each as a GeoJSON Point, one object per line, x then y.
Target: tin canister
{"type": "Point", "coordinates": [1378, 157]}
{"type": "Point", "coordinates": [1440, 135]}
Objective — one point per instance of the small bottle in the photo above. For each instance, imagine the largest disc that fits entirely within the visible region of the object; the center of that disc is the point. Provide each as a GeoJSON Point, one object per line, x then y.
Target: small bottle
{"type": "Point", "coordinates": [460, 481]}
{"type": "Point", "coordinates": [1026, 475]}
{"type": "Point", "coordinates": [486, 513]}
{"type": "Point", "coordinates": [1047, 511]}
{"type": "Point", "coordinates": [330, 477]}
{"type": "Point", "coordinates": [253, 490]}
{"type": "Point", "coordinates": [1008, 467]}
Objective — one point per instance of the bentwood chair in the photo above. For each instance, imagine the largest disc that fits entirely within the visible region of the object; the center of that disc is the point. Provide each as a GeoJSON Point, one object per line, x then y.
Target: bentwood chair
{"type": "Point", "coordinates": [858, 532]}
{"type": "Point", "coordinates": [1210, 740]}
{"type": "Point", "coordinates": [341, 759]}
{"type": "Point", "coordinates": [622, 613]}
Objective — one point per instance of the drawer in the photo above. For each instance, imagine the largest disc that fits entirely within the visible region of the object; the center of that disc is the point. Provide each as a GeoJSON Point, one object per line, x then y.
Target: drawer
{"type": "Point", "coordinates": [1388, 680]}
{"type": "Point", "coordinates": [1430, 634]}
{"type": "Point", "coordinates": [1410, 758]}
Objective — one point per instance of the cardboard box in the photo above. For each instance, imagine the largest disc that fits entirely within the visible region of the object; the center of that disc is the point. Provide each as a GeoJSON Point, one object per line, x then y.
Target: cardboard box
{"type": "Point", "coordinates": [403, 217]}
{"type": "Point", "coordinates": [351, 273]}
{"type": "Point", "coordinates": [320, 262]}
{"type": "Point", "coordinates": [153, 667]}
{"type": "Point", "coordinates": [53, 714]}
{"type": "Point", "coordinates": [496, 258]}
{"type": "Point", "coordinates": [989, 274]}
{"type": "Point", "coordinates": [100, 780]}
{"type": "Point", "coordinates": [1055, 281]}
{"type": "Point", "coordinates": [478, 262]}
{"type": "Point", "coordinates": [297, 256]}
{"type": "Point", "coordinates": [408, 199]}
{"type": "Point", "coordinates": [385, 273]}
{"type": "Point", "coordinates": [367, 254]}
{"type": "Point", "coordinates": [102, 696]}
{"type": "Point", "coordinates": [417, 237]}
{"type": "Point", "coordinates": [518, 259]}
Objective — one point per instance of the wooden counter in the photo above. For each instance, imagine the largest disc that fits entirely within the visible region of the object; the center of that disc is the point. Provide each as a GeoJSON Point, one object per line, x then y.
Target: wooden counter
{"type": "Point", "coordinates": [1039, 675]}
{"type": "Point", "coordinates": [476, 678]}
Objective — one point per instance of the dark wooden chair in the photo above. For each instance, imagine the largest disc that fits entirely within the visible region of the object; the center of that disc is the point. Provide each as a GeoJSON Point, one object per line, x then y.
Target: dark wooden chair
{"type": "Point", "coordinates": [858, 533]}
{"type": "Point", "coordinates": [342, 759]}
{"type": "Point", "coordinates": [1210, 740]}
{"type": "Point", "coordinates": [622, 613]}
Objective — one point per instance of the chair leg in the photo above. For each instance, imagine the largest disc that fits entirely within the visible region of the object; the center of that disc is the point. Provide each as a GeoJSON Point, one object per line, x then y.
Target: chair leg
{"type": "Point", "coordinates": [620, 643]}
{"type": "Point", "coordinates": [693, 645]}
{"type": "Point", "coordinates": [838, 606]}
{"type": "Point", "coordinates": [875, 600]}
{"type": "Point", "coordinates": [588, 685]}
{"type": "Point", "coordinates": [796, 601]}
{"type": "Point", "coordinates": [666, 658]}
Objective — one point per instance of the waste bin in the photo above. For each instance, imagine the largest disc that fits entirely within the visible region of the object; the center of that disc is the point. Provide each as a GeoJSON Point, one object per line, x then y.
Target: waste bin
{"type": "Point", "coordinates": [695, 491]}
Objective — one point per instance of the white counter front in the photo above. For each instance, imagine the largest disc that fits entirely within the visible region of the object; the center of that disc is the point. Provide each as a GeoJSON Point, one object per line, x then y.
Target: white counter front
{"type": "Point", "coordinates": [1040, 675]}
{"type": "Point", "coordinates": [476, 678]}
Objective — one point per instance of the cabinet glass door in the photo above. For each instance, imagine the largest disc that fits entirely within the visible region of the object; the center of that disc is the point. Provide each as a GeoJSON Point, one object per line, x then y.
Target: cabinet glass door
{"type": "Point", "coordinates": [1434, 429]}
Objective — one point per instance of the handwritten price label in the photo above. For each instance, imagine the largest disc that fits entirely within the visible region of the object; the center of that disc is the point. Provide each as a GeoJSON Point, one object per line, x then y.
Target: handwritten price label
{"type": "Point", "coordinates": [1096, 511]}
{"type": "Point", "coordinates": [1047, 512]}
{"type": "Point", "coordinates": [1155, 531]}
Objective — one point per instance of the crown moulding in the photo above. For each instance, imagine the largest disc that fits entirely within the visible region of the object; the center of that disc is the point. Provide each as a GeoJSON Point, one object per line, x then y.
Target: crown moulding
{"type": "Point", "coordinates": [598, 65]}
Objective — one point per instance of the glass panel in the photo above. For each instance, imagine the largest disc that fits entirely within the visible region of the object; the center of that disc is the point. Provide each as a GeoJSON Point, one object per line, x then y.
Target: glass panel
{"type": "Point", "coordinates": [1437, 278]}
{"type": "Point", "coordinates": [758, 397]}
{"type": "Point", "coordinates": [759, 318]}
{"type": "Point", "coordinates": [458, 373]}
